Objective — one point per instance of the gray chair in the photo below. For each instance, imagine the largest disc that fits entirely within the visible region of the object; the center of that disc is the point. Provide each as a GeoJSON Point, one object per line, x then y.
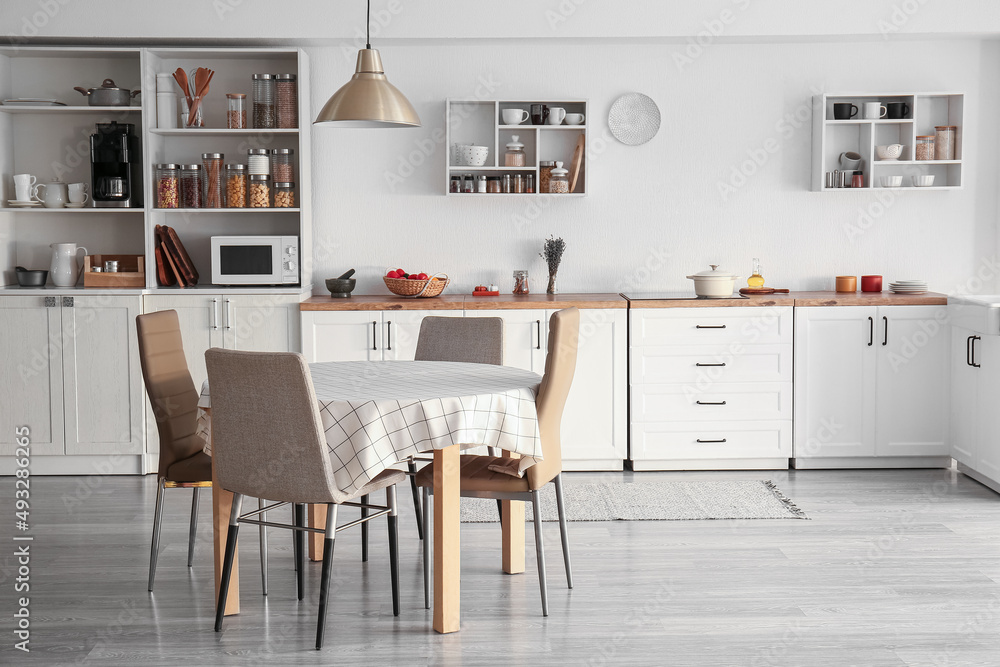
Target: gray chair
{"type": "Point", "coordinates": [268, 441]}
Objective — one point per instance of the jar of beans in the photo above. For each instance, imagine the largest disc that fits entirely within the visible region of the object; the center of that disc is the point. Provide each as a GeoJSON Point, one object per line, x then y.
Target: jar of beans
{"type": "Point", "coordinates": [944, 142]}
{"type": "Point", "coordinates": [544, 175]}
{"type": "Point", "coordinates": [559, 182]}
{"type": "Point", "coordinates": [236, 185]}
{"type": "Point", "coordinates": [211, 164]}
{"type": "Point", "coordinates": [259, 192]}
{"type": "Point", "coordinates": [236, 116]}
{"type": "Point", "coordinates": [191, 186]}
{"type": "Point", "coordinates": [167, 186]}
{"type": "Point", "coordinates": [287, 94]}
{"type": "Point", "coordinates": [925, 147]}
{"type": "Point", "coordinates": [263, 101]}
{"type": "Point", "coordinates": [281, 164]}
{"type": "Point", "coordinates": [258, 161]}
{"type": "Point", "coordinates": [284, 195]}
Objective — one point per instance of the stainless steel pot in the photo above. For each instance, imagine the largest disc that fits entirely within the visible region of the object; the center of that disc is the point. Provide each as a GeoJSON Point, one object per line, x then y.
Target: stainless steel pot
{"type": "Point", "coordinates": [108, 95]}
{"type": "Point", "coordinates": [714, 283]}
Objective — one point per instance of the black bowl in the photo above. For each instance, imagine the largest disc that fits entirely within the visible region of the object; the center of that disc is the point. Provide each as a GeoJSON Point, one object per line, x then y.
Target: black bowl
{"type": "Point", "coordinates": [32, 278]}
{"type": "Point", "coordinates": [341, 287]}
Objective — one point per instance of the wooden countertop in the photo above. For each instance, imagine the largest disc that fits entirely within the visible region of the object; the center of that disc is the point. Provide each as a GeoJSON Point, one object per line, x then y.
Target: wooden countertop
{"type": "Point", "coordinates": [465, 302]}
{"type": "Point", "coordinates": [805, 299]}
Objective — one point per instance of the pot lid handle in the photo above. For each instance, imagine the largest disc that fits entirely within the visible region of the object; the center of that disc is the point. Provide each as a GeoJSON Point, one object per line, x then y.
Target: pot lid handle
{"type": "Point", "coordinates": [714, 266]}
{"type": "Point", "coordinates": [108, 83]}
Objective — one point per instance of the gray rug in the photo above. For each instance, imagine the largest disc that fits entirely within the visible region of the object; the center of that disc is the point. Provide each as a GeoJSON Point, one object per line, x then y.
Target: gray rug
{"type": "Point", "coordinates": [653, 501]}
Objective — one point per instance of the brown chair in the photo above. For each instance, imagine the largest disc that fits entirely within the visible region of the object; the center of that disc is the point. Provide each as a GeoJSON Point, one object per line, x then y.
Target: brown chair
{"type": "Point", "coordinates": [478, 481]}
{"type": "Point", "coordinates": [174, 400]}
{"type": "Point", "coordinates": [269, 442]}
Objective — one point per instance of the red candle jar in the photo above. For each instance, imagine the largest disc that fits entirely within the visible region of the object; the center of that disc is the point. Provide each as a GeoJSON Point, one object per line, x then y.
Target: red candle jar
{"type": "Point", "coordinates": [871, 283]}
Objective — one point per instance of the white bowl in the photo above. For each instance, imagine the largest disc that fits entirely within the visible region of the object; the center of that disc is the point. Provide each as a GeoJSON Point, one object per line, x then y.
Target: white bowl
{"type": "Point", "coordinates": [890, 152]}
{"type": "Point", "coordinates": [891, 181]}
{"type": "Point", "coordinates": [924, 181]}
{"type": "Point", "coordinates": [474, 156]}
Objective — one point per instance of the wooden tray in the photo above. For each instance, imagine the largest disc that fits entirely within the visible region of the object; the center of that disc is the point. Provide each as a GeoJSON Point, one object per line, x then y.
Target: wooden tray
{"type": "Point", "coordinates": [751, 291]}
{"type": "Point", "coordinates": [574, 170]}
{"type": "Point", "coordinates": [180, 256]}
{"type": "Point", "coordinates": [131, 271]}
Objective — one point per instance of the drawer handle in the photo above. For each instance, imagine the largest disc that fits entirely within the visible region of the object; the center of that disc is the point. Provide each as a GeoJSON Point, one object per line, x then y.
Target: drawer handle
{"type": "Point", "coordinates": [974, 364]}
{"type": "Point", "coordinates": [701, 364]}
{"type": "Point", "coordinates": [871, 331]}
{"type": "Point", "coordinates": [710, 402]}
{"type": "Point", "coordinates": [711, 441]}
{"type": "Point", "coordinates": [710, 326]}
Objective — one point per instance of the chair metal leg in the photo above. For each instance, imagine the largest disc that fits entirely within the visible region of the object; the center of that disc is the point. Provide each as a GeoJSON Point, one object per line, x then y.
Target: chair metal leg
{"type": "Point", "coordinates": [227, 562]}
{"type": "Point", "coordinates": [300, 550]}
{"type": "Point", "coordinates": [364, 531]}
{"type": "Point", "coordinates": [154, 548]}
{"type": "Point", "coordinates": [390, 500]}
{"type": "Point", "coordinates": [263, 548]}
{"type": "Point", "coordinates": [324, 581]}
{"type": "Point", "coordinates": [193, 530]}
{"type": "Point", "coordinates": [412, 467]}
{"type": "Point", "coordinates": [295, 544]}
{"type": "Point", "coordinates": [562, 530]}
{"type": "Point", "coordinates": [540, 552]}
{"type": "Point", "coordinates": [427, 547]}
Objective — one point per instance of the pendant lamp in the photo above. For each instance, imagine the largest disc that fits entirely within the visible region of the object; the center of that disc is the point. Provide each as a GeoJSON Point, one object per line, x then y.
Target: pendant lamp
{"type": "Point", "coordinates": [368, 99]}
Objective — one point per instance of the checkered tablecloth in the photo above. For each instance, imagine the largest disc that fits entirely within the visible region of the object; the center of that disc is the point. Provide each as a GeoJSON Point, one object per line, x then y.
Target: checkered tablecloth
{"type": "Point", "coordinates": [378, 413]}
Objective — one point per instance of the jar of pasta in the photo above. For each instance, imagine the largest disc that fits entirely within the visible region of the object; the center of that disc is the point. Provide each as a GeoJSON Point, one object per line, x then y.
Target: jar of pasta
{"type": "Point", "coordinates": [284, 195]}
{"type": "Point", "coordinates": [259, 192]}
{"type": "Point", "coordinates": [236, 186]}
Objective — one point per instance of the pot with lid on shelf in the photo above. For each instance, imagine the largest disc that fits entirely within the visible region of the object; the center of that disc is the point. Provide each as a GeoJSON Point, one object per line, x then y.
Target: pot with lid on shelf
{"type": "Point", "coordinates": [714, 284]}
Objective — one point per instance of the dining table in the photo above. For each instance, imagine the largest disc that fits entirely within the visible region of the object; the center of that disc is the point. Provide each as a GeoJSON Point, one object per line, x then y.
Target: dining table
{"type": "Point", "coordinates": [379, 415]}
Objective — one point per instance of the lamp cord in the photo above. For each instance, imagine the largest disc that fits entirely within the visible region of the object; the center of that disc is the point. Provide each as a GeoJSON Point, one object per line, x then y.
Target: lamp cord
{"type": "Point", "coordinates": [368, 26]}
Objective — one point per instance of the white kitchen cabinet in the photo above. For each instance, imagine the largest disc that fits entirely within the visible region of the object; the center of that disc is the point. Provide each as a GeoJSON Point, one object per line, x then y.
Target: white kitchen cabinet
{"type": "Point", "coordinates": [363, 335]}
{"type": "Point", "coordinates": [964, 398]}
{"type": "Point", "coordinates": [871, 386]}
{"type": "Point", "coordinates": [525, 336]}
{"type": "Point", "coordinates": [986, 353]}
{"type": "Point", "coordinates": [975, 383]}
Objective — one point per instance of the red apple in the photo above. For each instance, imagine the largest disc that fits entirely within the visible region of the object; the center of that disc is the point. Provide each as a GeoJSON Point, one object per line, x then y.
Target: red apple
{"type": "Point", "coordinates": [392, 274]}
{"type": "Point", "coordinates": [422, 276]}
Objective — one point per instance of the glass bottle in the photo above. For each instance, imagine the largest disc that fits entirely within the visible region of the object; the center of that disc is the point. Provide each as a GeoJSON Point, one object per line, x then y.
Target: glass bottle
{"type": "Point", "coordinates": [755, 280]}
{"type": "Point", "coordinates": [211, 164]}
{"type": "Point", "coordinates": [520, 282]}
{"type": "Point", "coordinates": [287, 100]}
{"type": "Point", "coordinates": [514, 157]}
{"type": "Point", "coordinates": [559, 183]}
{"type": "Point", "coordinates": [191, 186]}
{"type": "Point", "coordinates": [236, 186]}
{"type": "Point", "coordinates": [944, 142]}
{"type": "Point", "coordinates": [263, 101]}
{"type": "Point", "coordinates": [167, 186]}
{"type": "Point", "coordinates": [236, 116]}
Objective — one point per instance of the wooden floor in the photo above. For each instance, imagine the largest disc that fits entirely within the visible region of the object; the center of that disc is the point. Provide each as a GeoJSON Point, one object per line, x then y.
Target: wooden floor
{"type": "Point", "coordinates": [894, 568]}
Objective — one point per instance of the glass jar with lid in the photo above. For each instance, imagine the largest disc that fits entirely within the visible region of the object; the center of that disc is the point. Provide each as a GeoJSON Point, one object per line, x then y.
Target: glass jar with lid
{"type": "Point", "coordinates": [481, 184]}
{"type": "Point", "coordinates": [507, 184]}
{"type": "Point", "coordinates": [286, 100]}
{"type": "Point", "coordinates": [281, 164]}
{"type": "Point", "coordinates": [263, 101]}
{"type": "Point", "coordinates": [944, 142]}
{"type": "Point", "coordinates": [211, 164]}
{"type": "Point", "coordinates": [456, 184]}
{"type": "Point", "coordinates": [167, 185]}
{"type": "Point", "coordinates": [468, 184]}
{"type": "Point", "coordinates": [559, 182]}
{"type": "Point", "coordinates": [284, 195]}
{"type": "Point", "coordinates": [514, 157]}
{"type": "Point", "coordinates": [925, 147]}
{"type": "Point", "coordinates": [521, 282]}
{"type": "Point", "coordinates": [191, 186]}
{"type": "Point", "coordinates": [545, 168]}
{"type": "Point", "coordinates": [493, 184]}
{"type": "Point", "coordinates": [258, 161]}
{"type": "Point", "coordinates": [259, 192]}
{"type": "Point", "coordinates": [236, 116]}
{"type": "Point", "coordinates": [519, 183]}
{"type": "Point", "coordinates": [236, 186]}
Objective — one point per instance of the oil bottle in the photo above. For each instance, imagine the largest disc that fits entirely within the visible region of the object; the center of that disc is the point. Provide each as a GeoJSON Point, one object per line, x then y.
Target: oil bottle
{"type": "Point", "coordinates": [755, 280]}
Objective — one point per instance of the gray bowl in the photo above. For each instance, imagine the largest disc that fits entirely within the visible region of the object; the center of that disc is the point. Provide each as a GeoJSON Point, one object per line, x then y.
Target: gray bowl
{"type": "Point", "coordinates": [341, 286]}
{"type": "Point", "coordinates": [32, 278]}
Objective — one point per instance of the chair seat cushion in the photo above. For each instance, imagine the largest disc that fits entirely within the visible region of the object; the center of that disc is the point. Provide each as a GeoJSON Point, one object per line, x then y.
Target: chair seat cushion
{"type": "Point", "coordinates": [385, 478]}
{"type": "Point", "coordinates": [195, 468]}
{"type": "Point", "coordinates": [476, 476]}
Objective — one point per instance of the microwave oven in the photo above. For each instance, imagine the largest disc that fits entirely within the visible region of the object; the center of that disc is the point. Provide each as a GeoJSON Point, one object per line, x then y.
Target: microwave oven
{"type": "Point", "coordinates": [255, 260]}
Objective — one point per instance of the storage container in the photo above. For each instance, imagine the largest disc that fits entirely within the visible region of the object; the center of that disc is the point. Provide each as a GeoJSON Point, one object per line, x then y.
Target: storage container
{"type": "Point", "coordinates": [167, 185]}
{"type": "Point", "coordinates": [287, 94]}
{"type": "Point", "coordinates": [259, 191]}
{"type": "Point", "coordinates": [191, 186]}
{"type": "Point", "coordinates": [944, 142]}
{"type": "Point", "coordinates": [258, 162]}
{"type": "Point", "coordinates": [925, 147]}
{"type": "Point", "coordinates": [284, 195]}
{"type": "Point", "coordinates": [263, 101]}
{"type": "Point", "coordinates": [236, 185]}
{"type": "Point", "coordinates": [211, 164]}
{"type": "Point", "coordinates": [281, 164]}
{"type": "Point", "coordinates": [236, 115]}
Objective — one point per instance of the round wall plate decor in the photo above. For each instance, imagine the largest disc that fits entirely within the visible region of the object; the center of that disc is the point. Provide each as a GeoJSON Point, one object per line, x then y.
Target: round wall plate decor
{"type": "Point", "coordinates": [634, 119]}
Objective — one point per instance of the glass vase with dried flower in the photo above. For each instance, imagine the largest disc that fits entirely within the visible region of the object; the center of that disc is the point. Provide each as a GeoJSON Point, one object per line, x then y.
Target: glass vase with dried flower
{"type": "Point", "coordinates": [552, 253]}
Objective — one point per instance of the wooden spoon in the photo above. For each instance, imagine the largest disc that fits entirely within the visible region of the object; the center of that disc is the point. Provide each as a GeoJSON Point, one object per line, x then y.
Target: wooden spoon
{"type": "Point", "coordinates": [202, 77]}
{"type": "Point", "coordinates": [181, 77]}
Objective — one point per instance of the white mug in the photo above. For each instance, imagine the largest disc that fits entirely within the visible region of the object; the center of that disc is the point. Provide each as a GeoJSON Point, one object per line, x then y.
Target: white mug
{"type": "Point", "coordinates": [556, 116]}
{"type": "Point", "coordinates": [575, 118]}
{"type": "Point", "coordinates": [874, 110]}
{"type": "Point", "coordinates": [514, 116]}
{"type": "Point", "coordinates": [24, 187]}
{"type": "Point", "coordinates": [78, 193]}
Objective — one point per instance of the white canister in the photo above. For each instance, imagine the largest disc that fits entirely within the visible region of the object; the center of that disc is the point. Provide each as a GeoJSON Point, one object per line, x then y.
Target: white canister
{"type": "Point", "coordinates": [165, 82]}
{"type": "Point", "coordinates": [166, 110]}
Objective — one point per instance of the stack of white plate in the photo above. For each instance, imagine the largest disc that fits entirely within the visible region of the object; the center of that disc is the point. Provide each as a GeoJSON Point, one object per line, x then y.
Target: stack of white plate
{"type": "Point", "coordinates": [908, 287]}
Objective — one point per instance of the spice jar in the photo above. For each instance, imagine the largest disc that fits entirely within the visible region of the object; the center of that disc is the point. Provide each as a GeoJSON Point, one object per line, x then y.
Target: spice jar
{"type": "Point", "coordinates": [212, 165]}
{"type": "Point", "coordinates": [481, 184]}
{"type": "Point", "coordinates": [545, 174]}
{"type": "Point", "coordinates": [191, 186]}
{"type": "Point", "coordinates": [493, 184]}
{"type": "Point", "coordinates": [167, 195]}
{"type": "Point", "coordinates": [236, 185]}
{"type": "Point", "coordinates": [287, 94]}
{"type": "Point", "coordinates": [284, 195]}
{"type": "Point", "coordinates": [456, 184]}
{"type": "Point", "coordinates": [529, 183]}
{"type": "Point", "coordinates": [521, 282]}
{"type": "Point", "coordinates": [519, 183]}
{"type": "Point", "coordinates": [263, 101]}
{"type": "Point", "coordinates": [468, 184]}
{"type": "Point", "coordinates": [944, 142]}
{"type": "Point", "coordinates": [559, 182]}
{"type": "Point", "coordinates": [236, 116]}
{"type": "Point", "coordinates": [514, 157]}
{"type": "Point", "coordinates": [925, 147]}
{"type": "Point", "coordinates": [258, 162]}
{"type": "Point", "coordinates": [281, 164]}
{"type": "Point", "coordinates": [258, 193]}
{"type": "Point", "coordinates": [507, 186]}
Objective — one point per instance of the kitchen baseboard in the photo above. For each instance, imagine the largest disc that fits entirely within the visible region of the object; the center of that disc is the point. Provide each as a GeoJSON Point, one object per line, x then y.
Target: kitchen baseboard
{"type": "Point", "coordinates": [108, 464]}
{"type": "Point", "coordinates": [780, 463]}
{"type": "Point", "coordinates": [991, 484]}
{"type": "Point", "coordinates": [879, 462]}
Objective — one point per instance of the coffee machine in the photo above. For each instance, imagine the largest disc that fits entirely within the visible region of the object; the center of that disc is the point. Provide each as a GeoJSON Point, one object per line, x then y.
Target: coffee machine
{"type": "Point", "coordinates": [116, 166]}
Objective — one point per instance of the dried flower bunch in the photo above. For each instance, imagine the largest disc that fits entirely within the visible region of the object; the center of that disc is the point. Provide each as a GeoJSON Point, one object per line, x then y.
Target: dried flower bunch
{"type": "Point", "coordinates": [552, 252]}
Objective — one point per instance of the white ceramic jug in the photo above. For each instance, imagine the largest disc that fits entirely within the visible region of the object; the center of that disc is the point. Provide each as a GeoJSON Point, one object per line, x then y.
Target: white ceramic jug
{"type": "Point", "coordinates": [65, 270]}
{"type": "Point", "coordinates": [56, 194]}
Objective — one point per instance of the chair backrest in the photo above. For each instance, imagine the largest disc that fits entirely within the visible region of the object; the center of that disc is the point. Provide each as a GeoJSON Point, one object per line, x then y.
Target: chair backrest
{"type": "Point", "coordinates": [171, 390]}
{"type": "Point", "coordinates": [477, 340]}
{"type": "Point", "coordinates": [560, 365]}
{"type": "Point", "coordinates": [267, 436]}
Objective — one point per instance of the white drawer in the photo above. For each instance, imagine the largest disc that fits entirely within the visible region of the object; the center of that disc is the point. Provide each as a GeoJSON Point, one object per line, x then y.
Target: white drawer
{"type": "Point", "coordinates": [719, 402]}
{"type": "Point", "coordinates": [704, 365]}
{"type": "Point", "coordinates": [671, 326]}
{"type": "Point", "coordinates": [711, 440]}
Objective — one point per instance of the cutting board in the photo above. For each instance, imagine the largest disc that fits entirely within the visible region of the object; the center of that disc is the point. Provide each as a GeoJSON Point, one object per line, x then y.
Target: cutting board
{"type": "Point", "coordinates": [753, 291]}
{"type": "Point", "coordinates": [180, 256]}
{"type": "Point", "coordinates": [576, 163]}
{"type": "Point", "coordinates": [161, 236]}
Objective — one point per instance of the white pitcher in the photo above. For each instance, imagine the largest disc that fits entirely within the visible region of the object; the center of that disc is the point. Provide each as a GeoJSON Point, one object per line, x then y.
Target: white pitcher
{"type": "Point", "coordinates": [65, 270]}
{"type": "Point", "coordinates": [56, 194]}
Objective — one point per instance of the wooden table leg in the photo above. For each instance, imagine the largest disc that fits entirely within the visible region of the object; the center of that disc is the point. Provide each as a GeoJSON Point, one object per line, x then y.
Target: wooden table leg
{"type": "Point", "coordinates": [512, 529]}
{"type": "Point", "coordinates": [222, 505]}
{"type": "Point", "coordinates": [316, 519]}
{"type": "Point", "coordinates": [447, 545]}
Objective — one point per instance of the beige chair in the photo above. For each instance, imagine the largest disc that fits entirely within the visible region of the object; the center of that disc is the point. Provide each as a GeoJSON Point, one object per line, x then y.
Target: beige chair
{"type": "Point", "coordinates": [268, 442]}
{"type": "Point", "coordinates": [182, 463]}
{"type": "Point", "coordinates": [478, 481]}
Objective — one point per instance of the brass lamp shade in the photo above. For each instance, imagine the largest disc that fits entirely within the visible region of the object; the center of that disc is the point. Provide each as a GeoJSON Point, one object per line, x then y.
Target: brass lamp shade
{"type": "Point", "coordinates": [368, 99]}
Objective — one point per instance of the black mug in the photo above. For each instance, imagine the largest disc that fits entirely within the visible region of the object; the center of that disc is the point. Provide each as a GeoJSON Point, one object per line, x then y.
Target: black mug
{"type": "Point", "coordinates": [844, 111]}
{"type": "Point", "coordinates": [539, 114]}
{"type": "Point", "coordinates": [897, 110]}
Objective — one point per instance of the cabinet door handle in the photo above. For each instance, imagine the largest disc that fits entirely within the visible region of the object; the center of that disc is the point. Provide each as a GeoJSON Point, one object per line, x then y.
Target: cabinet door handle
{"type": "Point", "coordinates": [228, 315]}
{"type": "Point", "coordinates": [968, 351]}
{"type": "Point", "coordinates": [215, 315]}
{"type": "Point", "coordinates": [67, 302]}
{"type": "Point", "coordinates": [374, 334]}
{"type": "Point", "coordinates": [885, 336]}
{"type": "Point", "coordinates": [698, 363]}
{"type": "Point", "coordinates": [538, 332]}
{"type": "Point", "coordinates": [710, 441]}
{"type": "Point", "coordinates": [710, 326]}
{"type": "Point", "coordinates": [871, 331]}
{"type": "Point", "coordinates": [50, 302]}
{"type": "Point", "coordinates": [710, 402]}
{"type": "Point", "coordinates": [974, 364]}
{"type": "Point", "coordinates": [388, 335]}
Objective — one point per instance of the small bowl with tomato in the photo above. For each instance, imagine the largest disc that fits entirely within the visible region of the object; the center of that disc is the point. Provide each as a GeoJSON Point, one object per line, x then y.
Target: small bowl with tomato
{"type": "Point", "coordinates": [401, 283]}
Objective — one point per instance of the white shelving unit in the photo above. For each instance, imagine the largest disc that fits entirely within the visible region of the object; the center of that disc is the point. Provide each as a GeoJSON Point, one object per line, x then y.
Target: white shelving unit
{"type": "Point", "coordinates": [479, 122]}
{"type": "Point", "coordinates": [832, 137]}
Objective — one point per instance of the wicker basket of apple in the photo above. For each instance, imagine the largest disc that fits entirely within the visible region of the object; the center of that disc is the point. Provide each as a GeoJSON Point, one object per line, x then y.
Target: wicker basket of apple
{"type": "Point", "coordinates": [402, 283]}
